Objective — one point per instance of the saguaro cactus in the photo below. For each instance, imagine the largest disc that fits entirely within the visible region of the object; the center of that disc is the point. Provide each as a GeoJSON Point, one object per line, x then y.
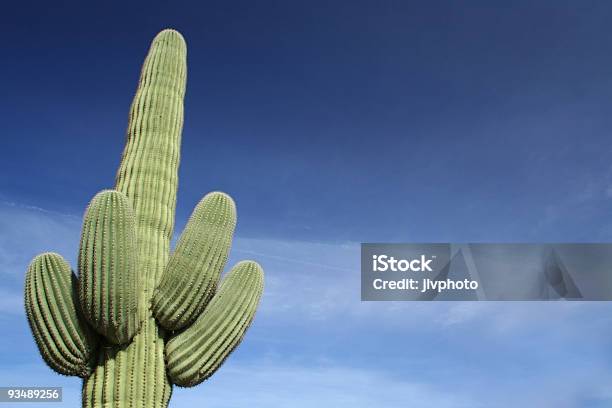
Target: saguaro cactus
{"type": "Point", "coordinates": [138, 319]}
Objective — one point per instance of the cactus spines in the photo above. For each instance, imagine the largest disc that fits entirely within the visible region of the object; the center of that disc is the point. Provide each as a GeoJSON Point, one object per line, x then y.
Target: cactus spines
{"type": "Point", "coordinates": [196, 353]}
{"type": "Point", "coordinates": [192, 273]}
{"type": "Point", "coordinates": [130, 290]}
{"type": "Point", "coordinates": [108, 288]}
{"type": "Point", "coordinates": [66, 343]}
{"type": "Point", "coordinates": [148, 173]}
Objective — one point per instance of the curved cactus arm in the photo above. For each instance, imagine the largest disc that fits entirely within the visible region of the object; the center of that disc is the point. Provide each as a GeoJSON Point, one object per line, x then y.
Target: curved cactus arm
{"type": "Point", "coordinates": [196, 353]}
{"type": "Point", "coordinates": [191, 276]}
{"type": "Point", "coordinates": [65, 341]}
{"type": "Point", "coordinates": [108, 283]}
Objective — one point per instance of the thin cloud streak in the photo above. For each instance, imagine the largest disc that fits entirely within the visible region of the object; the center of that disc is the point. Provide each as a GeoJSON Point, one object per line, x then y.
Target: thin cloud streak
{"type": "Point", "coordinates": [314, 342]}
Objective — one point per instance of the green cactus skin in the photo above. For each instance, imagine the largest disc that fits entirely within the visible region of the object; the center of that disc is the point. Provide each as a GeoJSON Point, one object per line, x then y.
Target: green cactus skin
{"type": "Point", "coordinates": [108, 289]}
{"type": "Point", "coordinates": [115, 327]}
{"type": "Point", "coordinates": [197, 352]}
{"type": "Point", "coordinates": [65, 341]}
{"type": "Point", "coordinates": [193, 271]}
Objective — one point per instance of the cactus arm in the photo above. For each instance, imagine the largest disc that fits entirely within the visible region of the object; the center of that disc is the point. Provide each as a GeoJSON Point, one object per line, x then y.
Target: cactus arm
{"type": "Point", "coordinates": [108, 289]}
{"type": "Point", "coordinates": [190, 278]}
{"type": "Point", "coordinates": [64, 340]}
{"type": "Point", "coordinates": [196, 353]}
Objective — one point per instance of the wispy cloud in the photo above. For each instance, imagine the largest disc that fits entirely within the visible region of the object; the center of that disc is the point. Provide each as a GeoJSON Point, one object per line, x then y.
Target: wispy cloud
{"type": "Point", "coordinates": [11, 302]}
{"type": "Point", "coordinates": [276, 383]}
{"type": "Point", "coordinates": [270, 384]}
{"type": "Point", "coordinates": [315, 343]}
{"type": "Point", "coordinates": [27, 231]}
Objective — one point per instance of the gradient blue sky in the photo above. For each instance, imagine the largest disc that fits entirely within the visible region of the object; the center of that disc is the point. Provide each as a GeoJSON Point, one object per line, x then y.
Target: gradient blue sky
{"type": "Point", "coordinates": [333, 123]}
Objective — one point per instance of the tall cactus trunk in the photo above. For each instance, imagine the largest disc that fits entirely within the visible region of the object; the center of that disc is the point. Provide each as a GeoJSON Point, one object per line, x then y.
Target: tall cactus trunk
{"type": "Point", "coordinates": [148, 175]}
{"type": "Point", "coordinates": [138, 319]}
{"type": "Point", "coordinates": [132, 375]}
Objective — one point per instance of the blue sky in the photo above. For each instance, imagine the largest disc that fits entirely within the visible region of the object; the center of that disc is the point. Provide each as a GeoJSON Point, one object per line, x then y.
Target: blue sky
{"type": "Point", "coordinates": [333, 123]}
